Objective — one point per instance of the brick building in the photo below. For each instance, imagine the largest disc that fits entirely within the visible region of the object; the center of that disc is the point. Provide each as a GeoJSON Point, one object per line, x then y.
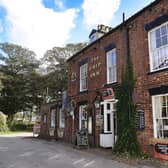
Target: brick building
{"type": "Point", "coordinates": [95, 71]}
{"type": "Point", "coordinates": [52, 120]}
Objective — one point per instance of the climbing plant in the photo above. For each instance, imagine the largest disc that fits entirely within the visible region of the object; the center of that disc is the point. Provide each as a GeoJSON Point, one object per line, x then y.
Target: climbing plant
{"type": "Point", "coordinates": [126, 109]}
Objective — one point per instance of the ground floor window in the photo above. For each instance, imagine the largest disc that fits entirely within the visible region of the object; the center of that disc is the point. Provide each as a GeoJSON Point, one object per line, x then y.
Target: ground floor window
{"type": "Point", "coordinates": [160, 116]}
{"type": "Point", "coordinates": [62, 119]}
{"type": "Point", "coordinates": [53, 118]}
{"type": "Point", "coordinates": [83, 117]}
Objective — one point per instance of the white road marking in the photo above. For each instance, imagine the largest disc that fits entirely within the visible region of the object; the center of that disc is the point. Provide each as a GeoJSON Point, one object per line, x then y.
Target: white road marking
{"type": "Point", "coordinates": [54, 157]}
{"type": "Point", "coordinates": [89, 163]}
{"type": "Point", "coordinates": [26, 154]}
{"type": "Point", "coordinates": [3, 149]}
{"type": "Point", "coordinates": [78, 161]}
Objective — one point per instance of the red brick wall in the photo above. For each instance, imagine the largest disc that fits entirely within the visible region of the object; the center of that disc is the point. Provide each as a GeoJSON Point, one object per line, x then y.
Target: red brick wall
{"type": "Point", "coordinates": [139, 54]}
{"type": "Point", "coordinates": [45, 127]}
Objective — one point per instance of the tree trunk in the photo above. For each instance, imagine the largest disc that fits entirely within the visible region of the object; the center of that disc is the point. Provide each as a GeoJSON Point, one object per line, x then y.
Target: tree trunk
{"type": "Point", "coordinates": [10, 118]}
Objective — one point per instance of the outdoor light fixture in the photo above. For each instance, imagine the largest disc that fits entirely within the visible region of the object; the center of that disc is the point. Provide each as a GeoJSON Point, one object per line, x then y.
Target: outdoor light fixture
{"type": "Point", "coordinates": [97, 102]}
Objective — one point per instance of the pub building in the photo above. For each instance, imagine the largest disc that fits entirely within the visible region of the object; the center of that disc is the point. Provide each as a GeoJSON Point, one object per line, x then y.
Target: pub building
{"type": "Point", "coordinates": [95, 72]}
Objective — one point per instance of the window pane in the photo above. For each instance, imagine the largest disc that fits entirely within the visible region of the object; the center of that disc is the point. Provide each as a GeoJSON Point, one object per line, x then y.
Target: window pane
{"type": "Point", "coordinates": [165, 128]}
{"type": "Point", "coordinates": [158, 42]}
{"type": "Point", "coordinates": [164, 112]}
{"type": "Point", "coordinates": [157, 33]}
{"type": "Point", "coordinates": [163, 30]}
{"type": "Point", "coordinates": [161, 117]}
{"type": "Point", "coordinates": [108, 122]}
{"type": "Point", "coordinates": [111, 66]}
{"type": "Point", "coordinates": [83, 76]}
{"type": "Point", "coordinates": [164, 40]}
{"type": "Point", "coordinates": [53, 118]}
{"type": "Point", "coordinates": [83, 117]}
{"type": "Point", "coordinates": [108, 106]}
{"type": "Point", "coordinates": [159, 47]}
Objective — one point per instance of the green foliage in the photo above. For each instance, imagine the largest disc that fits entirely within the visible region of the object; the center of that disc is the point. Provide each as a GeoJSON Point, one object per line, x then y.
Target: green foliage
{"type": "Point", "coordinates": [57, 77]}
{"type": "Point", "coordinates": [127, 139]}
{"type": "Point", "coordinates": [3, 124]}
{"type": "Point", "coordinates": [20, 126]}
{"type": "Point", "coordinates": [18, 68]}
{"type": "Point", "coordinates": [22, 86]}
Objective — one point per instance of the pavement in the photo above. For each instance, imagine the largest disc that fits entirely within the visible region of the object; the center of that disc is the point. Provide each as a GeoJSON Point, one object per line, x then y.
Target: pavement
{"type": "Point", "coordinates": [24, 151]}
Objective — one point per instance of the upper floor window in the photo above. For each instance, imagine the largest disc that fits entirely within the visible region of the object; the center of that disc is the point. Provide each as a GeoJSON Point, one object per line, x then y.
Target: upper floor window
{"type": "Point", "coordinates": [160, 116]}
{"type": "Point", "coordinates": [158, 47]}
{"type": "Point", "coordinates": [111, 66]}
{"type": "Point", "coordinates": [84, 77]}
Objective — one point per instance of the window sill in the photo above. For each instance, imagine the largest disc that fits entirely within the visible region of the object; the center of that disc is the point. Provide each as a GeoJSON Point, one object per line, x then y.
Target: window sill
{"type": "Point", "coordinates": [106, 133]}
{"type": "Point", "coordinates": [158, 71]}
{"type": "Point", "coordinates": [83, 92]}
{"type": "Point", "coordinates": [115, 84]}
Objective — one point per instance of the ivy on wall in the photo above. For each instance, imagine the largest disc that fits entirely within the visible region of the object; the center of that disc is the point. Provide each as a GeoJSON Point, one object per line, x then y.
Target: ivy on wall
{"type": "Point", "coordinates": [127, 139]}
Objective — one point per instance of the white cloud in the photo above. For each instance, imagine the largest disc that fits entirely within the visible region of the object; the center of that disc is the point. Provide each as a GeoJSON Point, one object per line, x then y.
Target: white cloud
{"type": "Point", "coordinates": [32, 25]}
{"type": "Point", "coordinates": [99, 11]}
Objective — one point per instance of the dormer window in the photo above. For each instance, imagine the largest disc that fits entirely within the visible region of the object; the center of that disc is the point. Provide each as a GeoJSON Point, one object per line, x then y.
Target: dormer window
{"type": "Point", "coordinates": [99, 32]}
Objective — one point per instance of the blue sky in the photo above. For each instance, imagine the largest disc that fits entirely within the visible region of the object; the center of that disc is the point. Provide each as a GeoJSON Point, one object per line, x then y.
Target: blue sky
{"type": "Point", "coordinates": [42, 24]}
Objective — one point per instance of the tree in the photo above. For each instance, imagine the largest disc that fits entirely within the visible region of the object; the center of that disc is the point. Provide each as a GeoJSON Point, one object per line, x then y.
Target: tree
{"type": "Point", "coordinates": [17, 66]}
{"type": "Point", "coordinates": [57, 68]}
{"type": "Point", "coordinates": [126, 110]}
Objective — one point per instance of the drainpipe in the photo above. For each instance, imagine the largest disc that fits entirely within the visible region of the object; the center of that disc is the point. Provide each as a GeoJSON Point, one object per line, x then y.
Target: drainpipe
{"type": "Point", "coordinates": [127, 44]}
{"type": "Point", "coordinates": [126, 27]}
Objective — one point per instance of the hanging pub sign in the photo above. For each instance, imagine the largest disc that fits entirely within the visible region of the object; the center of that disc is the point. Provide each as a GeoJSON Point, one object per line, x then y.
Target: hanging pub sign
{"type": "Point", "coordinates": [140, 120]}
{"type": "Point", "coordinates": [161, 148]}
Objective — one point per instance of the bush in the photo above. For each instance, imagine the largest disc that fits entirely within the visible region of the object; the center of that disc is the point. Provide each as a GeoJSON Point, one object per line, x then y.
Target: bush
{"type": "Point", "coordinates": [17, 126]}
{"type": "Point", "coordinates": [3, 124]}
{"type": "Point", "coordinates": [20, 126]}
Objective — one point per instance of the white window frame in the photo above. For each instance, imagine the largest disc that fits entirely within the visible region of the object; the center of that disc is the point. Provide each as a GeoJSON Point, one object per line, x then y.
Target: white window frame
{"type": "Point", "coordinates": [158, 120]}
{"type": "Point", "coordinates": [83, 77]}
{"type": "Point", "coordinates": [53, 120]}
{"type": "Point", "coordinates": [110, 112]}
{"type": "Point", "coordinates": [61, 118]}
{"type": "Point", "coordinates": [83, 116]}
{"type": "Point", "coordinates": [111, 66]}
{"type": "Point", "coordinates": [159, 53]}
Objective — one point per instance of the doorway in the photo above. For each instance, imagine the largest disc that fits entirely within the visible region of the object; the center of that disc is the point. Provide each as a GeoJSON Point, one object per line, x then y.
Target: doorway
{"type": "Point", "coordinates": [109, 135]}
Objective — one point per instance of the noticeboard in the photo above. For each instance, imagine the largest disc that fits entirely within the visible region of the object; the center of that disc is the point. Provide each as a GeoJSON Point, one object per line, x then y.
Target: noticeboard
{"type": "Point", "coordinates": [140, 120]}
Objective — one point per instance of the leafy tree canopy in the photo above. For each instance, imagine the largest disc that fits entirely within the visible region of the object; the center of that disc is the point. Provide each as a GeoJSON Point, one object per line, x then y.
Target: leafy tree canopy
{"type": "Point", "coordinates": [17, 65]}
{"type": "Point", "coordinates": [55, 60]}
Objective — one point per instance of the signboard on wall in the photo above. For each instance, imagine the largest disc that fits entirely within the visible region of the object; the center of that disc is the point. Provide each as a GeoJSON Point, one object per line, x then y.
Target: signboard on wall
{"type": "Point", "coordinates": [161, 148]}
{"type": "Point", "coordinates": [140, 120]}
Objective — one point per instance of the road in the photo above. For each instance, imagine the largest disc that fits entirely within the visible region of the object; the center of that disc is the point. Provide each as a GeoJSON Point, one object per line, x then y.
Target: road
{"type": "Point", "coordinates": [25, 152]}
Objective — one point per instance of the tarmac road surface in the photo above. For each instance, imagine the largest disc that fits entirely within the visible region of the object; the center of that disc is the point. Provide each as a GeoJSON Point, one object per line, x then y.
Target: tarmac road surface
{"type": "Point", "coordinates": [21, 151]}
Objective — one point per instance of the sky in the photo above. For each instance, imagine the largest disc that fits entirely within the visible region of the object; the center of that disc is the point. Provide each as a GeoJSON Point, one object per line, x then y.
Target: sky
{"type": "Point", "coordinates": [41, 25]}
